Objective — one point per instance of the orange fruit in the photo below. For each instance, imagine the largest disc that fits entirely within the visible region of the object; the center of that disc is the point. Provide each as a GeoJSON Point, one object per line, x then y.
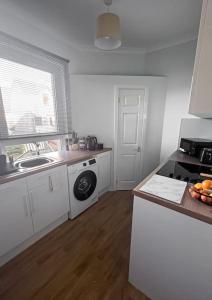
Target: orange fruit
{"type": "Point", "coordinates": [207, 184]}
{"type": "Point", "coordinates": [198, 186]}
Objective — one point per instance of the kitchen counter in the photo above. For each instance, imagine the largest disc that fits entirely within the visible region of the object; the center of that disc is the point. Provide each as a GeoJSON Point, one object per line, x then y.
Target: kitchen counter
{"type": "Point", "coordinates": [189, 206]}
{"type": "Point", "coordinates": [60, 157]}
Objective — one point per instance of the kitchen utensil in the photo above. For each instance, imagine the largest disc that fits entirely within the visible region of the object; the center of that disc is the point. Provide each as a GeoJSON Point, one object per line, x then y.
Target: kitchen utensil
{"type": "Point", "coordinates": [74, 137]}
{"type": "Point", "coordinates": [91, 142]}
{"type": "Point", "coordinates": [206, 175]}
{"type": "Point", "coordinates": [3, 161]}
{"type": "Point", "coordinates": [99, 146]}
{"type": "Point", "coordinates": [74, 147]}
{"type": "Point", "coordinates": [67, 144]}
{"type": "Point", "coordinates": [7, 169]}
{"type": "Point", "coordinates": [82, 144]}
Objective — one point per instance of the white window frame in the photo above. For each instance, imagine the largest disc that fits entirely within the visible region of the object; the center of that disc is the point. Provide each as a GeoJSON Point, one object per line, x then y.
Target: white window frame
{"type": "Point", "coordinates": [23, 53]}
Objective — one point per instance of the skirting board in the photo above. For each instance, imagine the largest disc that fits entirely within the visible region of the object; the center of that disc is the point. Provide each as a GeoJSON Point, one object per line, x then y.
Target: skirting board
{"type": "Point", "coordinates": [20, 248]}
{"type": "Point", "coordinates": [107, 189]}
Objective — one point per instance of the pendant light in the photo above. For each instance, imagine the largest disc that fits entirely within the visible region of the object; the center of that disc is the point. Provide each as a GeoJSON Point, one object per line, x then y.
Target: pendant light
{"type": "Point", "coordinates": [108, 33]}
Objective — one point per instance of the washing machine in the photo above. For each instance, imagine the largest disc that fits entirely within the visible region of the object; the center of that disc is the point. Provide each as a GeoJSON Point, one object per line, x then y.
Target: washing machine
{"type": "Point", "coordinates": [83, 180]}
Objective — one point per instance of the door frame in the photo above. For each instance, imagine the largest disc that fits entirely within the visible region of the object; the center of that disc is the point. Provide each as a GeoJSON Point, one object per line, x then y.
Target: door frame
{"type": "Point", "coordinates": [117, 88]}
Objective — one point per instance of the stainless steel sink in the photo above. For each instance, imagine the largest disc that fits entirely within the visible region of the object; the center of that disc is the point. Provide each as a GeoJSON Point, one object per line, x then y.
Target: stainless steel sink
{"type": "Point", "coordinates": [33, 162]}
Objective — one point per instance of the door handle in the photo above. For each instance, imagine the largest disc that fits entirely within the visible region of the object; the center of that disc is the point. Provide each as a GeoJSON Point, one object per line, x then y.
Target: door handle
{"type": "Point", "coordinates": [25, 206]}
{"type": "Point", "coordinates": [139, 149]}
{"type": "Point", "coordinates": [31, 203]}
{"type": "Point", "coordinates": [51, 188]}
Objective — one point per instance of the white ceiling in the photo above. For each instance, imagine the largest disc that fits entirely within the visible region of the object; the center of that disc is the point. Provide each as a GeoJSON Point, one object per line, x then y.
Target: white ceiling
{"type": "Point", "coordinates": [146, 24]}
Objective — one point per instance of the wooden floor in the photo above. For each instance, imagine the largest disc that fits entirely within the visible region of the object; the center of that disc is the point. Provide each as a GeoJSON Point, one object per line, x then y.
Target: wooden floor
{"type": "Point", "coordinates": [84, 259]}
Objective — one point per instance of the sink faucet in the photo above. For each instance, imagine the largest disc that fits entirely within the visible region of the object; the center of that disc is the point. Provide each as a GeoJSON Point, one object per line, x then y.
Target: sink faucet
{"type": "Point", "coordinates": [37, 145]}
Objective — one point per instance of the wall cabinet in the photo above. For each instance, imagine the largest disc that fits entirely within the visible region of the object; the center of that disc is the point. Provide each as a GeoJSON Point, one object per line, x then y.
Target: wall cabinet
{"type": "Point", "coordinates": [48, 195]}
{"type": "Point", "coordinates": [104, 171]}
{"type": "Point", "coordinates": [201, 100]}
{"type": "Point", "coordinates": [15, 217]}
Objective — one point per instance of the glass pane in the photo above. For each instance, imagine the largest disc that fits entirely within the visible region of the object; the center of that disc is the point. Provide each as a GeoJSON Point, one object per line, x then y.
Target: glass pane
{"type": "Point", "coordinates": [22, 151]}
{"type": "Point", "coordinates": [28, 99]}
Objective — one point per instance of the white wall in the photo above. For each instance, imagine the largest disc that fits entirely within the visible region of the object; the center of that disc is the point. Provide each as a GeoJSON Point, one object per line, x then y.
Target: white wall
{"type": "Point", "coordinates": [177, 64]}
{"type": "Point", "coordinates": [81, 62]}
{"type": "Point", "coordinates": [93, 110]}
{"type": "Point", "coordinates": [196, 128]}
{"type": "Point", "coordinates": [106, 63]}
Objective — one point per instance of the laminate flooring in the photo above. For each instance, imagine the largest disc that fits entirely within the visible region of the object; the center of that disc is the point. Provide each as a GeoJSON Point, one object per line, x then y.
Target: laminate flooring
{"type": "Point", "coordinates": [83, 259]}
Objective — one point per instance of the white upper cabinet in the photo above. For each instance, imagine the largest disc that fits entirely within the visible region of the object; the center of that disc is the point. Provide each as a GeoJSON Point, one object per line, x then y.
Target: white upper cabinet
{"type": "Point", "coordinates": [49, 197]}
{"type": "Point", "coordinates": [104, 171]}
{"type": "Point", "coordinates": [15, 218]}
{"type": "Point", "coordinates": [201, 95]}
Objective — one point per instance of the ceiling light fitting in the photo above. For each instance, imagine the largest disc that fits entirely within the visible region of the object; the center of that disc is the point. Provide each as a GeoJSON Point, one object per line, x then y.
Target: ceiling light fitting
{"type": "Point", "coordinates": [108, 32]}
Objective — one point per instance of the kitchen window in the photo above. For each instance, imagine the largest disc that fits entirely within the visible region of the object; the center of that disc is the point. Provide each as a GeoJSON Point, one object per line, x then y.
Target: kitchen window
{"type": "Point", "coordinates": [34, 102]}
{"type": "Point", "coordinates": [27, 100]}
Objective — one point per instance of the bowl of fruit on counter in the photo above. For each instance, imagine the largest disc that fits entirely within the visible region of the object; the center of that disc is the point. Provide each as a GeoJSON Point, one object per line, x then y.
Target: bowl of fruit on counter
{"type": "Point", "coordinates": [202, 191]}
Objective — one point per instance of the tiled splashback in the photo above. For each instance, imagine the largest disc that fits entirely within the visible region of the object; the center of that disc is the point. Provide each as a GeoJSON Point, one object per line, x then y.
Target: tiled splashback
{"type": "Point", "coordinates": [196, 128]}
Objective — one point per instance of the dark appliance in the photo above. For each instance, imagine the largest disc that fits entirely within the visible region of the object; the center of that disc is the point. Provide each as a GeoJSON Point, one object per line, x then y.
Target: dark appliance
{"type": "Point", "coordinates": [86, 182]}
{"type": "Point", "coordinates": [3, 164]}
{"type": "Point", "coordinates": [206, 156]}
{"type": "Point", "coordinates": [5, 167]}
{"type": "Point", "coordinates": [91, 143]}
{"type": "Point", "coordinates": [183, 171]}
{"type": "Point", "coordinates": [85, 185]}
{"type": "Point", "coordinates": [100, 146]}
{"type": "Point", "coordinates": [3, 160]}
{"type": "Point", "coordinates": [194, 146]}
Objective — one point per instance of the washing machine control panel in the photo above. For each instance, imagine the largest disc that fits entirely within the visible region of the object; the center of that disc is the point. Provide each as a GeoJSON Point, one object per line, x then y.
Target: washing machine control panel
{"type": "Point", "coordinates": [92, 161]}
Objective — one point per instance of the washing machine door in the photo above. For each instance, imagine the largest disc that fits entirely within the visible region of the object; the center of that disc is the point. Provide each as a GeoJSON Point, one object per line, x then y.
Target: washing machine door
{"type": "Point", "coordinates": [85, 185]}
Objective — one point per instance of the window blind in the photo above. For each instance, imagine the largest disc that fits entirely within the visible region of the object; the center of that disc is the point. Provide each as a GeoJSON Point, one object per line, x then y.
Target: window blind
{"type": "Point", "coordinates": [33, 92]}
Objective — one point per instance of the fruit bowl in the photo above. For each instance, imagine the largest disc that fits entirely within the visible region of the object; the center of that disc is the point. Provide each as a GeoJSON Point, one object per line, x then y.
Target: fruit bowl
{"type": "Point", "coordinates": [202, 192]}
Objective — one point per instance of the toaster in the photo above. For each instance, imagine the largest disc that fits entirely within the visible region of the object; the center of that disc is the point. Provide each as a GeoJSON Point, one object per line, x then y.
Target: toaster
{"type": "Point", "coordinates": [206, 156]}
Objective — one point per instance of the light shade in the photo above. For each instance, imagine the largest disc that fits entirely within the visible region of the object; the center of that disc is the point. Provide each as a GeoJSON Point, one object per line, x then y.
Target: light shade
{"type": "Point", "coordinates": [108, 33]}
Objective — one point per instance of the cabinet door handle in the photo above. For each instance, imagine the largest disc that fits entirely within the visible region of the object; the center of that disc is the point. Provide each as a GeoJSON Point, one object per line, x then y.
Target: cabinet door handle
{"type": "Point", "coordinates": [25, 206]}
{"type": "Point", "coordinates": [51, 188]}
{"type": "Point", "coordinates": [31, 201]}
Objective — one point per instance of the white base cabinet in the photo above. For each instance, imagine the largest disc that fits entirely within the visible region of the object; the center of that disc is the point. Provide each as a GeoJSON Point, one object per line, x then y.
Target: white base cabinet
{"type": "Point", "coordinates": [29, 206]}
{"type": "Point", "coordinates": [15, 217]}
{"type": "Point", "coordinates": [48, 196]}
{"type": "Point", "coordinates": [104, 171]}
{"type": "Point", "coordinates": [170, 257]}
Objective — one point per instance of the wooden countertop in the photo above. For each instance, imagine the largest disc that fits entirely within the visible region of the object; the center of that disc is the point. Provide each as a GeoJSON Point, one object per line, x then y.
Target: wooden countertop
{"type": "Point", "coordinates": [189, 206]}
{"type": "Point", "coordinates": [60, 157]}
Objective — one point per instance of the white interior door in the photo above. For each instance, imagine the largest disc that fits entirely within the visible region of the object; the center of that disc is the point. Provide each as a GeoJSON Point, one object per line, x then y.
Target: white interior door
{"type": "Point", "coordinates": [129, 137]}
